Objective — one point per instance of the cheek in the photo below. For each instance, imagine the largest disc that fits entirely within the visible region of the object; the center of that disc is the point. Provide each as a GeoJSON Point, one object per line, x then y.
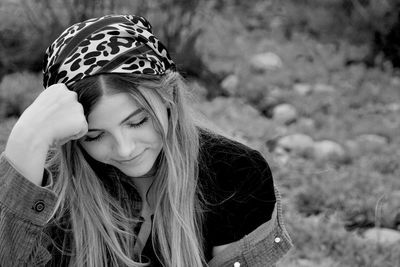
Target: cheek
{"type": "Point", "coordinates": [154, 137]}
{"type": "Point", "coordinates": [98, 152]}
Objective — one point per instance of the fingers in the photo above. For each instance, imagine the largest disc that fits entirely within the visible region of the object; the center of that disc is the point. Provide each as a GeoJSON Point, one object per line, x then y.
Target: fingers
{"type": "Point", "coordinates": [72, 124]}
{"type": "Point", "coordinates": [66, 140]}
{"type": "Point", "coordinates": [80, 134]}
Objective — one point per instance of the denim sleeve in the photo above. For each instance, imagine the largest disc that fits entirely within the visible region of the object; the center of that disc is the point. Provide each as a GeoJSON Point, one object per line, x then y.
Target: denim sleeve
{"type": "Point", "coordinates": [25, 208]}
{"type": "Point", "coordinates": [263, 247]}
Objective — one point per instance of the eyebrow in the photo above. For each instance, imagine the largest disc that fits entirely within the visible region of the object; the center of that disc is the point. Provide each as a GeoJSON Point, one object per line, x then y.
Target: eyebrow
{"type": "Point", "coordinates": [136, 112]}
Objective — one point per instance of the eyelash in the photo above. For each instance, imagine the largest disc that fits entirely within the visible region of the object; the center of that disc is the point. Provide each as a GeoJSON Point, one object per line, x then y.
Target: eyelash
{"type": "Point", "coordinates": [131, 125]}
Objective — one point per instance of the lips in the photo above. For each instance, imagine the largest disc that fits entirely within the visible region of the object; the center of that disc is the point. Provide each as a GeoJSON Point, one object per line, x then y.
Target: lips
{"type": "Point", "coordinates": [129, 160]}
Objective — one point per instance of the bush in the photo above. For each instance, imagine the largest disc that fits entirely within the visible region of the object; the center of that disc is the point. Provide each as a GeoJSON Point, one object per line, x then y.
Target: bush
{"type": "Point", "coordinates": [358, 21]}
{"type": "Point", "coordinates": [17, 92]}
{"type": "Point", "coordinates": [358, 193]}
{"type": "Point", "coordinates": [323, 237]}
{"type": "Point", "coordinates": [28, 27]}
{"type": "Point", "coordinates": [25, 37]}
{"type": "Point", "coordinates": [5, 129]}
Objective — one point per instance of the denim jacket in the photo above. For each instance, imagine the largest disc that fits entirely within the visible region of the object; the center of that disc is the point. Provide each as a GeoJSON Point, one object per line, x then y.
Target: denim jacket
{"type": "Point", "coordinates": [262, 247]}
{"type": "Point", "coordinates": [25, 209]}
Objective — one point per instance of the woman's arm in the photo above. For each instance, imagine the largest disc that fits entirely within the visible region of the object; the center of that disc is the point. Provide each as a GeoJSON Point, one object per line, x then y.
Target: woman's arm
{"type": "Point", "coordinates": [218, 249]}
{"type": "Point", "coordinates": [264, 246]}
{"type": "Point", "coordinates": [55, 117]}
{"type": "Point", "coordinates": [25, 208]}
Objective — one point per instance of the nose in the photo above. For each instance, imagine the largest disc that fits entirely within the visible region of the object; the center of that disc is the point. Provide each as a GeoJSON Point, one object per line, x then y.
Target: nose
{"type": "Point", "coordinates": [124, 147]}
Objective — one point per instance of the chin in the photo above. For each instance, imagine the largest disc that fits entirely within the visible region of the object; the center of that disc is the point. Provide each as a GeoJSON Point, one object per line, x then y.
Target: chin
{"type": "Point", "coordinates": [136, 172]}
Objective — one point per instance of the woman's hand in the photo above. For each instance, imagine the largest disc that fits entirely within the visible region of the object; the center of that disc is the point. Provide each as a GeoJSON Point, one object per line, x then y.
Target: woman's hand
{"type": "Point", "coordinates": [54, 118]}
{"type": "Point", "coordinates": [55, 115]}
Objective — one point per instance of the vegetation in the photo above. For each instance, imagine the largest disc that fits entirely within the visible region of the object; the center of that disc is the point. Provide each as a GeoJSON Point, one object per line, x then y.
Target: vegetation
{"type": "Point", "coordinates": [327, 47]}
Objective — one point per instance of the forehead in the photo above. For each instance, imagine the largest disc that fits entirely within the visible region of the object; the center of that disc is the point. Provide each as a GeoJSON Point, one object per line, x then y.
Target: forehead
{"type": "Point", "coordinates": [112, 108]}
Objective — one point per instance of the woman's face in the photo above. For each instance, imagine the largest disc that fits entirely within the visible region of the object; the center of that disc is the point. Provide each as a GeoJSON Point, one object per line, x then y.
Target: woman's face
{"type": "Point", "coordinates": [123, 135]}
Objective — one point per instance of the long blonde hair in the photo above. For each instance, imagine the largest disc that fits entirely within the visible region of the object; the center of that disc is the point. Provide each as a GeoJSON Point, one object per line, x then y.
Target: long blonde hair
{"type": "Point", "coordinates": [101, 220]}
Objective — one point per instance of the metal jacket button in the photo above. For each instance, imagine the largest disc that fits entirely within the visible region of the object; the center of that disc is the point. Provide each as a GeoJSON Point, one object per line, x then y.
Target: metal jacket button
{"type": "Point", "coordinates": [277, 239]}
{"type": "Point", "coordinates": [39, 206]}
{"type": "Point", "coordinates": [236, 264]}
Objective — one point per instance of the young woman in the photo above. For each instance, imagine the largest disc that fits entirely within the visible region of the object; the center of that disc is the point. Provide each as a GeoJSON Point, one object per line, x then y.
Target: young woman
{"type": "Point", "coordinates": [110, 166]}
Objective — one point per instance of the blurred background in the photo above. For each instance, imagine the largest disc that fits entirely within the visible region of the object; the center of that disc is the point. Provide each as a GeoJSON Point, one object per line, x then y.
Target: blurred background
{"type": "Point", "coordinates": [312, 84]}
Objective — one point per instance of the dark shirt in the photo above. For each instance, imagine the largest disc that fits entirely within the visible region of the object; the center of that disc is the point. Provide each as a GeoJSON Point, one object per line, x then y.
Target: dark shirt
{"type": "Point", "coordinates": [239, 191]}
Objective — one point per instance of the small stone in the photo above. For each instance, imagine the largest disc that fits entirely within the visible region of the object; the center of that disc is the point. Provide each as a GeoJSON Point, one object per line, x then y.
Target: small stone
{"type": "Point", "coordinates": [389, 210]}
{"type": "Point", "coordinates": [328, 150]}
{"type": "Point", "coordinates": [266, 61]}
{"type": "Point", "coordinates": [281, 156]}
{"type": "Point", "coordinates": [353, 148]}
{"type": "Point", "coordinates": [298, 143]}
{"type": "Point", "coordinates": [302, 88]}
{"type": "Point", "coordinates": [305, 124]}
{"type": "Point", "coordinates": [284, 113]}
{"type": "Point", "coordinates": [382, 235]}
{"type": "Point", "coordinates": [230, 84]}
{"type": "Point", "coordinates": [393, 107]}
{"type": "Point", "coordinates": [234, 114]}
{"type": "Point", "coordinates": [373, 138]}
{"type": "Point", "coordinates": [395, 81]}
{"type": "Point", "coordinates": [276, 23]}
{"type": "Point", "coordinates": [324, 88]}
{"type": "Point", "coordinates": [371, 142]}
{"type": "Point", "coordinates": [306, 263]}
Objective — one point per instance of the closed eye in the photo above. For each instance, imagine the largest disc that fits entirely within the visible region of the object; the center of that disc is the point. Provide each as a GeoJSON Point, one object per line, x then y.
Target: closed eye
{"type": "Point", "coordinates": [140, 123]}
{"type": "Point", "coordinates": [90, 139]}
{"type": "Point", "coordinates": [130, 124]}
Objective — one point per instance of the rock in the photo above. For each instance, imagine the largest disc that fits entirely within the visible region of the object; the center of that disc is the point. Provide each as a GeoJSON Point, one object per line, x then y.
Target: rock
{"type": "Point", "coordinates": [389, 210]}
{"type": "Point", "coordinates": [236, 117]}
{"type": "Point", "coordinates": [328, 150]}
{"type": "Point", "coordinates": [382, 235]}
{"type": "Point", "coordinates": [230, 84]}
{"type": "Point", "coordinates": [367, 143]}
{"type": "Point", "coordinates": [393, 107]}
{"type": "Point", "coordinates": [395, 81]}
{"type": "Point", "coordinates": [305, 125]}
{"type": "Point", "coordinates": [312, 263]}
{"type": "Point", "coordinates": [298, 143]}
{"type": "Point", "coordinates": [302, 88]}
{"type": "Point", "coordinates": [373, 139]}
{"type": "Point", "coordinates": [353, 148]}
{"type": "Point", "coordinates": [284, 113]}
{"type": "Point", "coordinates": [307, 263]}
{"type": "Point", "coordinates": [276, 23]}
{"type": "Point", "coordinates": [324, 88]}
{"type": "Point", "coordinates": [281, 156]}
{"type": "Point", "coordinates": [265, 61]}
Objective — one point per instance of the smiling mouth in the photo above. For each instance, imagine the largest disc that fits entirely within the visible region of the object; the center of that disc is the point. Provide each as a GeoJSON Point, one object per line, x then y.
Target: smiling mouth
{"type": "Point", "coordinates": [129, 160]}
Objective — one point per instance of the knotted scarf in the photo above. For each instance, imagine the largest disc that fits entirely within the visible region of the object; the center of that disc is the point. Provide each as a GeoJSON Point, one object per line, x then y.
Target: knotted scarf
{"type": "Point", "coordinates": [109, 44]}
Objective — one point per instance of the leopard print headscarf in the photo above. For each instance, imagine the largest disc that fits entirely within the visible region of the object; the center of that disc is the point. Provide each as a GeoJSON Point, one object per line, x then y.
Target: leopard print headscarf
{"type": "Point", "coordinates": [109, 44]}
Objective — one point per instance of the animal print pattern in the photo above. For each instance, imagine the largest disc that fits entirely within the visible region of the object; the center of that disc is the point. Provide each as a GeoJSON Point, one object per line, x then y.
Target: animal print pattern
{"type": "Point", "coordinates": [109, 44]}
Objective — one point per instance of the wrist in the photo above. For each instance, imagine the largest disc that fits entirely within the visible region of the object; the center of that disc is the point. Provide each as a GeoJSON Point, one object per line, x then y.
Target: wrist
{"type": "Point", "coordinates": [28, 139]}
{"type": "Point", "coordinates": [31, 136]}
{"type": "Point", "coordinates": [26, 150]}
